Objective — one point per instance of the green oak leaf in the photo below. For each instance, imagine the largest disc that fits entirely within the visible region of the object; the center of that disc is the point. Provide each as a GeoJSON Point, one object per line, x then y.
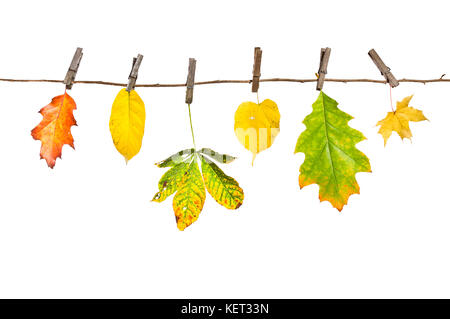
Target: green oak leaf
{"type": "Point", "coordinates": [331, 158]}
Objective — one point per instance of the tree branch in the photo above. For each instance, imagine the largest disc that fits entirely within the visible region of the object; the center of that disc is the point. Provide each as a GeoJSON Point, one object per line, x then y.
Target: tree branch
{"type": "Point", "coordinates": [234, 81]}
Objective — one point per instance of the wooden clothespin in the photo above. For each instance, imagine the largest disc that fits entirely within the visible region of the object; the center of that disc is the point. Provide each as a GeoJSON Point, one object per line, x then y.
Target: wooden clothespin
{"type": "Point", "coordinates": [73, 68]}
{"type": "Point", "coordinates": [324, 57]}
{"type": "Point", "coordinates": [385, 71]}
{"type": "Point", "coordinates": [134, 72]}
{"type": "Point", "coordinates": [190, 81]}
{"type": "Point", "coordinates": [256, 69]}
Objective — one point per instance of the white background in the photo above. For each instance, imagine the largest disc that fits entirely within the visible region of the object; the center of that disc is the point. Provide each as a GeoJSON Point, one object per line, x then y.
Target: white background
{"type": "Point", "coordinates": [88, 228]}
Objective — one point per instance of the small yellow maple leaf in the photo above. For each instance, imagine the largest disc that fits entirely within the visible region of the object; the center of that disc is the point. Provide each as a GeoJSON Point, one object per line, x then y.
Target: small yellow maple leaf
{"type": "Point", "coordinates": [399, 120]}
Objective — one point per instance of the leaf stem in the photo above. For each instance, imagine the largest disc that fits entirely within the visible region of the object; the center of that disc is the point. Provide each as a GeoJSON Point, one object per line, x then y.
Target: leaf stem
{"type": "Point", "coordinates": [390, 95]}
{"type": "Point", "coordinates": [192, 129]}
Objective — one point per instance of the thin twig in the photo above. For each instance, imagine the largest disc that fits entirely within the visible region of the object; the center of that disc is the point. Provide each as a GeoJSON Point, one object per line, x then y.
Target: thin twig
{"type": "Point", "coordinates": [235, 81]}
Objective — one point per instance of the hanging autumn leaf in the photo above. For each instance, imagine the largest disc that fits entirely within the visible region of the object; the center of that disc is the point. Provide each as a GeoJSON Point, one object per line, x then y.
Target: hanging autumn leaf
{"type": "Point", "coordinates": [171, 180]}
{"type": "Point", "coordinates": [398, 120]}
{"type": "Point", "coordinates": [176, 158]}
{"type": "Point", "coordinates": [190, 197]}
{"type": "Point", "coordinates": [331, 158]}
{"type": "Point", "coordinates": [220, 158]}
{"type": "Point", "coordinates": [127, 123]}
{"type": "Point", "coordinates": [223, 188]}
{"type": "Point", "coordinates": [257, 125]}
{"type": "Point", "coordinates": [184, 178]}
{"type": "Point", "coordinates": [54, 129]}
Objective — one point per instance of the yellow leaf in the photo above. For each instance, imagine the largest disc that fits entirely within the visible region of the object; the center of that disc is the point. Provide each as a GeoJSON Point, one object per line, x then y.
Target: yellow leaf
{"type": "Point", "coordinates": [127, 123]}
{"type": "Point", "coordinates": [257, 125]}
{"type": "Point", "coordinates": [398, 121]}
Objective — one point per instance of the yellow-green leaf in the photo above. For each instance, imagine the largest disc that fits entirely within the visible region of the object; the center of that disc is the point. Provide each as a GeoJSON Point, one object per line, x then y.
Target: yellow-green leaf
{"type": "Point", "coordinates": [170, 181]}
{"type": "Point", "coordinates": [257, 125]}
{"type": "Point", "coordinates": [184, 178]}
{"type": "Point", "coordinates": [331, 158]}
{"type": "Point", "coordinates": [223, 188]}
{"type": "Point", "coordinates": [127, 123]}
{"type": "Point", "coordinates": [190, 197]}
{"type": "Point", "coordinates": [220, 158]}
{"type": "Point", "coordinates": [176, 158]}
